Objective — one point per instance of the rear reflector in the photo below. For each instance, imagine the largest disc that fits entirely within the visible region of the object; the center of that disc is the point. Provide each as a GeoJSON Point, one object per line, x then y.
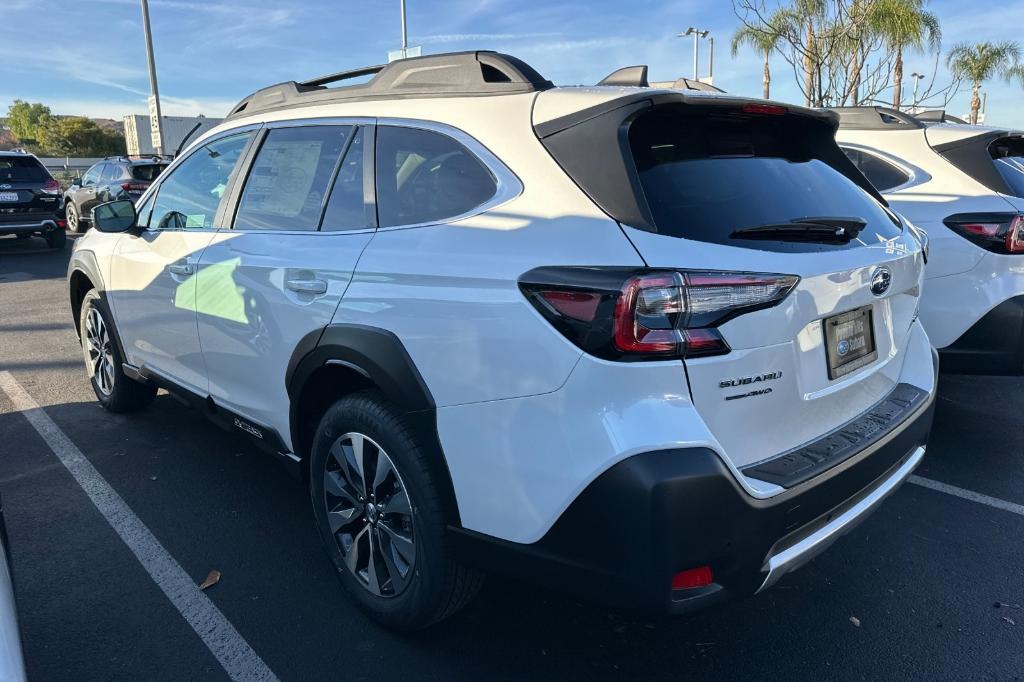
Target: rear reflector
{"type": "Point", "coordinates": [62, 224]}
{"type": "Point", "coordinates": [578, 305]}
{"type": "Point", "coordinates": [694, 577]}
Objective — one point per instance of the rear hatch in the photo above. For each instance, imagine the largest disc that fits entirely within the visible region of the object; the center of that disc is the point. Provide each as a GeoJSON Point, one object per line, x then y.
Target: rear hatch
{"type": "Point", "coordinates": [27, 191]}
{"type": "Point", "coordinates": [729, 186]}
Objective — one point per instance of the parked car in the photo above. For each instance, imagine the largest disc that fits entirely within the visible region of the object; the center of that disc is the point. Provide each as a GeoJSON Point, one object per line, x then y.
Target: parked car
{"type": "Point", "coordinates": [114, 178]}
{"type": "Point", "coordinates": [651, 347]}
{"type": "Point", "coordinates": [963, 185]}
{"type": "Point", "coordinates": [30, 202]}
{"type": "Point", "coordinates": [12, 664]}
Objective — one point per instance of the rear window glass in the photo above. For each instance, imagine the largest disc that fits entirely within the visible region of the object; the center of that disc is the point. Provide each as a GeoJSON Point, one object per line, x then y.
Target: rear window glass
{"type": "Point", "coordinates": [22, 169]}
{"type": "Point", "coordinates": [147, 172]}
{"type": "Point", "coordinates": [705, 176]}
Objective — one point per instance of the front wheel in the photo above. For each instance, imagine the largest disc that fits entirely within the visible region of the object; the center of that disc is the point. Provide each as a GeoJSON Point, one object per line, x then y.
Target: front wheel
{"type": "Point", "coordinates": [103, 360]}
{"type": "Point", "coordinates": [378, 508]}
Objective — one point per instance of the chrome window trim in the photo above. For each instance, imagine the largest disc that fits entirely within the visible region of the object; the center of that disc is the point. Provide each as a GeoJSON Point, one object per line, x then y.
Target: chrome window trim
{"type": "Point", "coordinates": [916, 176]}
{"type": "Point", "coordinates": [508, 184]}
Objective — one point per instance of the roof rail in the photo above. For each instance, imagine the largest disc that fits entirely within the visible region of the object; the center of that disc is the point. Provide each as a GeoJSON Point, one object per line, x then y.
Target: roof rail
{"type": "Point", "coordinates": [875, 118]}
{"type": "Point", "coordinates": [138, 157]}
{"type": "Point", "coordinates": [628, 76]}
{"type": "Point", "coordinates": [454, 74]}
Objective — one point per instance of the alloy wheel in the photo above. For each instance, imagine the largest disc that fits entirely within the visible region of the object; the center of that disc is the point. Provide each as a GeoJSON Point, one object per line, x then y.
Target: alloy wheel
{"type": "Point", "coordinates": [369, 514]}
{"type": "Point", "coordinates": [99, 356]}
{"type": "Point", "coordinates": [71, 215]}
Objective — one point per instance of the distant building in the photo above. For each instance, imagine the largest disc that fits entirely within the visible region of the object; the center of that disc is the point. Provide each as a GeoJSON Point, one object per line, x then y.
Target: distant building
{"type": "Point", "coordinates": [175, 128]}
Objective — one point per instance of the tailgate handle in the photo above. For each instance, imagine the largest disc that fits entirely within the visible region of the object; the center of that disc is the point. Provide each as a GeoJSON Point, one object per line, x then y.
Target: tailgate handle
{"type": "Point", "coordinates": [307, 286]}
{"type": "Point", "coordinates": [181, 268]}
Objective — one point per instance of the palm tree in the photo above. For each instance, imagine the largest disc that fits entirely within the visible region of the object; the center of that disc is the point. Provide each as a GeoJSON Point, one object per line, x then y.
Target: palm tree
{"type": "Point", "coordinates": [765, 40]}
{"type": "Point", "coordinates": [978, 63]}
{"type": "Point", "coordinates": [904, 24]}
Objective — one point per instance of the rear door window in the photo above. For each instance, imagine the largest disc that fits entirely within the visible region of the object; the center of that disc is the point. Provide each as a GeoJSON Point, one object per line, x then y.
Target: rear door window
{"type": "Point", "coordinates": [22, 169]}
{"type": "Point", "coordinates": [288, 182]}
{"type": "Point", "coordinates": [346, 208]}
{"type": "Point", "coordinates": [706, 176]}
{"type": "Point", "coordinates": [425, 176]}
{"type": "Point", "coordinates": [882, 174]}
{"type": "Point", "coordinates": [111, 173]}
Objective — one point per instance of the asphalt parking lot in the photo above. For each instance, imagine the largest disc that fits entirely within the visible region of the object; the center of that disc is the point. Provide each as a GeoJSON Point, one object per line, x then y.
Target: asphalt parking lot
{"type": "Point", "coordinates": [930, 587]}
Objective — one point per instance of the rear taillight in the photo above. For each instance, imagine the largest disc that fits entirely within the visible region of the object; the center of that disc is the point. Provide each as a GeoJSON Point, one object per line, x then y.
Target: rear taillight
{"type": "Point", "coordinates": [996, 232]}
{"type": "Point", "coordinates": [51, 186]}
{"type": "Point", "coordinates": [622, 313]}
{"type": "Point", "coordinates": [136, 187]}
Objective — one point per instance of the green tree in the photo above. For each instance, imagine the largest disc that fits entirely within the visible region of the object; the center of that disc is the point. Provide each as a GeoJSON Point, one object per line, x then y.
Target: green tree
{"type": "Point", "coordinates": [980, 62]}
{"type": "Point", "coordinates": [904, 25]}
{"type": "Point", "coordinates": [765, 40]}
{"type": "Point", "coordinates": [78, 136]}
{"type": "Point", "coordinates": [25, 120]}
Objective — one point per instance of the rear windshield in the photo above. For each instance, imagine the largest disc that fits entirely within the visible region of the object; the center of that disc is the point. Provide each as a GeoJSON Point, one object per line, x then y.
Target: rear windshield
{"type": "Point", "coordinates": [22, 169]}
{"type": "Point", "coordinates": [706, 176]}
{"type": "Point", "coordinates": [147, 172]}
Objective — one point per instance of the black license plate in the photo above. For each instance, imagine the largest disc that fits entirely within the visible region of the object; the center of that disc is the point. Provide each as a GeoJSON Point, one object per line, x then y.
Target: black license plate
{"type": "Point", "coordinates": [849, 342]}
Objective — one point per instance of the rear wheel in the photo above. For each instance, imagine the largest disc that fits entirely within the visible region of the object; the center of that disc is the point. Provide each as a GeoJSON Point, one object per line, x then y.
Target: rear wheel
{"type": "Point", "coordinates": [103, 360]}
{"type": "Point", "coordinates": [74, 220]}
{"type": "Point", "coordinates": [378, 509]}
{"type": "Point", "coordinates": [56, 238]}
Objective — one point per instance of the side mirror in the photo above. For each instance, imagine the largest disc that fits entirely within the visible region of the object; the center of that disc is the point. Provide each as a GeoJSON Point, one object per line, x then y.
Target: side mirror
{"type": "Point", "coordinates": [114, 216]}
{"type": "Point", "coordinates": [77, 182]}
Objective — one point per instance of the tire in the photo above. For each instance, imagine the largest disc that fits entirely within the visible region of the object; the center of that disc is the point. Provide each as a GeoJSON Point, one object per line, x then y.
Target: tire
{"type": "Point", "coordinates": [102, 352]}
{"type": "Point", "coordinates": [56, 238]}
{"type": "Point", "coordinates": [73, 218]}
{"type": "Point", "coordinates": [397, 520]}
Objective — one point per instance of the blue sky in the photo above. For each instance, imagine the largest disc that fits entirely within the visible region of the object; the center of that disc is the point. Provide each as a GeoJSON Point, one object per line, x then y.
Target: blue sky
{"type": "Point", "coordinates": [88, 57]}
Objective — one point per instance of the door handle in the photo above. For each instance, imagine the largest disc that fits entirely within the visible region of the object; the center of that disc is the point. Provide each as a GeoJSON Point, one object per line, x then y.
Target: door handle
{"type": "Point", "coordinates": [306, 286]}
{"type": "Point", "coordinates": [181, 268]}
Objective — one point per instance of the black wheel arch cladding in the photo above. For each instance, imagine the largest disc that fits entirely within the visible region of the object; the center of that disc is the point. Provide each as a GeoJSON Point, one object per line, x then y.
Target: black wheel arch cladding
{"type": "Point", "coordinates": [379, 356]}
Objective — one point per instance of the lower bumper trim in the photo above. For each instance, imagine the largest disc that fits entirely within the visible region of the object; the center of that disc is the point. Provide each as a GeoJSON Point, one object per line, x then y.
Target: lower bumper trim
{"type": "Point", "coordinates": [796, 555]}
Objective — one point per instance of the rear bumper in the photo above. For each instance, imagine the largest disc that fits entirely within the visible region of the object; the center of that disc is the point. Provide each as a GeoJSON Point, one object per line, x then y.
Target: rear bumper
{"type": "Point", "coordinates": [993, 345]}
{"type": "Point", "coordinates": [29, 223]}
{"type": "Point", "coordinates": [658, 513]}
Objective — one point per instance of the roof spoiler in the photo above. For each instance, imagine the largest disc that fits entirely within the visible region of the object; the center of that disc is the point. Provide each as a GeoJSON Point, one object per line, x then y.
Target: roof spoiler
{"type": "Point", "coordinates": [628, 76]}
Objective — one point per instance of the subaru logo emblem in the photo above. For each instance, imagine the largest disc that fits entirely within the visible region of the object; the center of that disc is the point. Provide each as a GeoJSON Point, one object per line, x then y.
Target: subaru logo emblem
{"type": "Point", "coordinates": [6, 186]}
{"type": "Point", "coordinates": [843, 347]}
{"type": "Point", "coordinates": [881, 278]}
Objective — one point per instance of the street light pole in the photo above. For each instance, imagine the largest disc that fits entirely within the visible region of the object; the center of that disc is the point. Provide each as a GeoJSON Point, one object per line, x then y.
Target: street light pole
{"type": "Point", "coordinates": [697, 35]}
{"type": "Point", "coordinates": [405, 34]}
{"type": "Point", "coordinates": [152, 77]}
{"type": "Point", "coordinates": [711, 59]}
{"type": "Point", "coordinates": [917, 80]}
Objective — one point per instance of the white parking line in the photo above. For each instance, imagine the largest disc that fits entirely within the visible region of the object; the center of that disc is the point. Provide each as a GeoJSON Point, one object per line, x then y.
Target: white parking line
{"type": "Point", "coordinates": [994, 502]}
{"type": "Point", "coordinates": [218, 634]}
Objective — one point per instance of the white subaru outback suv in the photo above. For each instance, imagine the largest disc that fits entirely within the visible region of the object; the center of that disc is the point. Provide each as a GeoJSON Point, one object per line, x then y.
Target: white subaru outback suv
{"type": "Point", "coordinates": [963, 185]}
{"type": "Point", "coordinates": [650, 346]}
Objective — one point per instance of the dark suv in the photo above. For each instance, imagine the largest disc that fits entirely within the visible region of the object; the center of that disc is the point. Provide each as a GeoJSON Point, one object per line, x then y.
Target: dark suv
{"type": "Point", "coordinates": [113, 178]}
{"type": "Point", "coordinates": [30, 201]}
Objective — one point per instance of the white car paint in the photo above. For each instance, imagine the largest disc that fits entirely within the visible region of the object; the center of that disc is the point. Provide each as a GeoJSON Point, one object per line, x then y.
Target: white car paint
{"type": "Point", "coordinates": [525, 418]}
{"type": "Point", "coordinates": [963, 281]}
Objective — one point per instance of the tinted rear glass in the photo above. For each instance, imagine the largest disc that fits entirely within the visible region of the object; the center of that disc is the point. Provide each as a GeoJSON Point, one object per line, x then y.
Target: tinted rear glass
{"type": "Point", "coordinates": [1008, 155]}
{"type": "Point", "coordinates": [148, 172]}
{"type": "Point", "coordinates": [22, 169]}
{"type": "Point", "coordinates": [705, 176]}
